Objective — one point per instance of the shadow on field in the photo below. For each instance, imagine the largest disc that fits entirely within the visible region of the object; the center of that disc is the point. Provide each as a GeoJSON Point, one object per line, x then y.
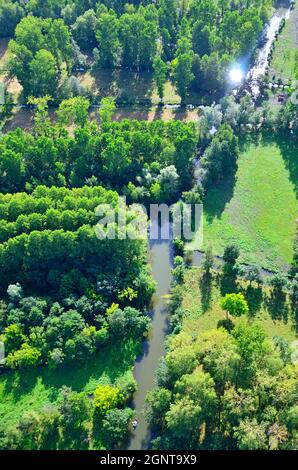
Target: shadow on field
{"type": "Point", "coordinates": [206, 291]}
{"type": "Point", "coordinates": [277, 306]}
{"type": "Point", "coordinates": [254, 298]}
{"type": "Point", "coordinates": [218, 197]}
{"type": "Point", "coordinates": [125, 85]}
{"type": "Point", "coordinates": [289, 154]}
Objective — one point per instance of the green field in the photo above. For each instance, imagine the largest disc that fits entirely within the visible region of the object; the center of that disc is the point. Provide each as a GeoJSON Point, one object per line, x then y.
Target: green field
{"type": "Point", "coordinates": [258, 209]}
{"type": "Point", "coordinates": [33, 389]}
{"type": "Point", "coordinates": [201, 304]}
{"type": "Point", "coordinates": [285, 56]}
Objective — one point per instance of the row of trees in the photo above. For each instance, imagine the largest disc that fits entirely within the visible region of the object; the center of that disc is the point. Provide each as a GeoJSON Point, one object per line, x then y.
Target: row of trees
{"type": "Point", "coordinates": [70, 253]}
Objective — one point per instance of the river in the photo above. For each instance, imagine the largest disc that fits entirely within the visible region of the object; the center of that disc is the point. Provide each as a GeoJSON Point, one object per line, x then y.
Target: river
{"type": "Point", "coordinates": [259, 68]}
{"type": "Point", "coordinates": [161, 257]}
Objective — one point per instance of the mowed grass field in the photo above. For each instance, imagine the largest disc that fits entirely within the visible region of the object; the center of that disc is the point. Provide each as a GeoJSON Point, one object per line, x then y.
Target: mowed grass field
{"type": "Point", "coordinates": [201, 304]}
{"type": "Point", "coordinates": [257, 211]}
{"type": "Point", "coordinates": [285, 55]}
{"type": "Point", "coordinates": [34, 389]}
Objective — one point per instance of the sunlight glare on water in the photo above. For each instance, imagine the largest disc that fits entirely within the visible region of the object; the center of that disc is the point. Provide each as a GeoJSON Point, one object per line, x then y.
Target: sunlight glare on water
{"type": "Point", "coordinates": [236, 75]}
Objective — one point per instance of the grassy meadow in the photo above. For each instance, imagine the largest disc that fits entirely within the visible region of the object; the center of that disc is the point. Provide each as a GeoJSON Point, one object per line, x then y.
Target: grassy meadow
{"type": "Point", "coordinates": [285, 55]}
{"type": "Point", "coordinates": [257, 209]}
{"type": "Point", "coordinates": [34, 389]}
{"type": "Point", "coordinates": [201, 303]}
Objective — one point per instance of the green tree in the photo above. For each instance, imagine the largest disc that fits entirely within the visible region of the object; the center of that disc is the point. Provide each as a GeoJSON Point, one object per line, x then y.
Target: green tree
{"type": "Point", "coordinates": [73, 111]}
{"type": "Point", "coordinates": [10, 15]}
{"type": "Point", "coordinates": [183, 75]}
{"type": "Point", "coordinates": [251, 435]}
{"type": "Point", "coordinates": [107, 109]}
{"type": "Point", "coordinates": [183, 421]}
{"type": "Point", "coordinates": [107, 34]}
{"type": "Point", "coordinates": [106, 398]}
{"type": "Point", "coordinates": [160, 75]}
{"type": "Point", "coordinates": [43, 73]}
{"type": "Point", "coordinates": [13, 338]}
{"type": "Point", "coordinates": [27, 356]}
{"type": "Point", "coordinates": [158, 402]}
{"type": "Point", "coordinates": [115, 426]}
{"type": "Point", "coordinates": [83, 30]}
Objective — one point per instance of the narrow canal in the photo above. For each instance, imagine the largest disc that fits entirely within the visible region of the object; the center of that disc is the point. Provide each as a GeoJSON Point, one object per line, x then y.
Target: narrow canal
{"type": "Point", "coordinates": [161, 262]}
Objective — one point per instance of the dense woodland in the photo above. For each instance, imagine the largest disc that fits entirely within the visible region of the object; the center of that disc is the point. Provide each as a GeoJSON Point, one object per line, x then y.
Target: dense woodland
{"type": "Point", "coordinates": [225, 390]}
{"type": "Point", "coordinates": [117, 155]}
{"type": "Point", "coordinates": [192, 43]}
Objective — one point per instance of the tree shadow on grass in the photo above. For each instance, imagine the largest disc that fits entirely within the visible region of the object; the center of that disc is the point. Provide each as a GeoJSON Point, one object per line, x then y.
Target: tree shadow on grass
{"type": "Point", "coordinates": [228, 284]}
{"type": "Point", "coordinates": [205, 285]}
{"type": "Point", "coordinates": [277, 306]}
{"type": "Point", "coordinates": [218, 197]}
{"type": "Point", "coordinates": [254, 298]}
{"type": "Point", "coordinates": [289, 154]}
{"type": "Point", "coordinates": [158, 113]}
{"type": "Point", "coordinates": [127, 86]}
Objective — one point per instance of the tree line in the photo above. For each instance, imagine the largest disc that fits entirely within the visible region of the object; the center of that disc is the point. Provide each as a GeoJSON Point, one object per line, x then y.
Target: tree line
{"type": "Point", "coordinates": [147, 161]}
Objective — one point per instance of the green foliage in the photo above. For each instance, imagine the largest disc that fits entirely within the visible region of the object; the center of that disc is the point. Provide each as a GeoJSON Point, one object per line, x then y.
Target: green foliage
{"type": "Point", "coordinates": [37, 53]}
{"type": "Point", "coordinates": [14, 338]}
{"type": "Point", "coordinates": [115, 426]}
{"type": "Point", "coordinates": [83, 30]}
{"type": "Point", "coordinates": [73, 111]}
{"type": "Point", "coordinates": [107, 109]}
{"type": "Point", "coordinates": [234, 304]}
{"type": "Point", "coordinates": [106, 398]}
{"type": "Point", "coordinates": [220, 158]}
{"type": "Point", "coordinates": [107, 34]}
{"type": "Point", "coordinates": [115, 154]}
{"type": "Point", "coordinates": [24, 357]}
{"type": "Point", "coordinates": [235, 394]}
{"type": "Point", "coordinates": [10, 15]}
